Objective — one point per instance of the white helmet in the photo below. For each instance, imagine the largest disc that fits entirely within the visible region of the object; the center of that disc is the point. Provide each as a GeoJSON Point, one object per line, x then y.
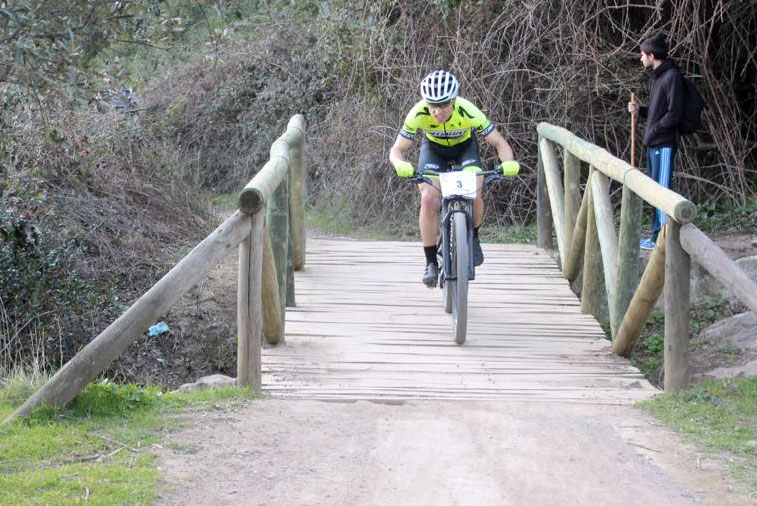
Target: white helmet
{"type": "Point", "coordinates": [439, 86]}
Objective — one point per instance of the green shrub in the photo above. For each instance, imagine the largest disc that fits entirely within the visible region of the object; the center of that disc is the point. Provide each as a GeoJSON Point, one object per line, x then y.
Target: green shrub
{"type": "Point", "coordinates": [40, 286]}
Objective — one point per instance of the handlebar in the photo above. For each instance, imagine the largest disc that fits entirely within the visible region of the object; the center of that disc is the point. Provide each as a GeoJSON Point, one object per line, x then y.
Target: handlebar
{"type": "Point", "coordinates": [489, 175]}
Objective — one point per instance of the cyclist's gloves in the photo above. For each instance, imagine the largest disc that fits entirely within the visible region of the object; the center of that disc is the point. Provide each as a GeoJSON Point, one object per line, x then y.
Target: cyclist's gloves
{"type": "Point", "coordinates": [509, 168]}
{"type": "Point", "coordinates": [404, 169]}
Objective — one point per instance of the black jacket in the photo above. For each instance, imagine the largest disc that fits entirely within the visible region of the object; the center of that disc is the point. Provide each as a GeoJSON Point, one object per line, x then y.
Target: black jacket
{"type": "Point", "coordinates": [666, 95]}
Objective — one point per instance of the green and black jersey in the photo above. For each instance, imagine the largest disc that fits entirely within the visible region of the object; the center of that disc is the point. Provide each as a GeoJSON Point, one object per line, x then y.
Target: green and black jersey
{"type": "Point", "coordinates": [458, 128]}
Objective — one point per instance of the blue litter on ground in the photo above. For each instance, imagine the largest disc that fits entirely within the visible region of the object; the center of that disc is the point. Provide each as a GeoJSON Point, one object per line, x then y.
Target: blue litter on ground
{"type": "Point", "coordinates": [157, 329]}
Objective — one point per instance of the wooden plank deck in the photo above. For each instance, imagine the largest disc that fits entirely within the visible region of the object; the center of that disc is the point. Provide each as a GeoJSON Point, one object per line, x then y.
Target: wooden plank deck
{"type": "Point", "coordinates": [366, 328]}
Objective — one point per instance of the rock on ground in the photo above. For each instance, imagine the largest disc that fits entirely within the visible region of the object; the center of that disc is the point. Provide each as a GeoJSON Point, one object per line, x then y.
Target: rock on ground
{"type": "Point", "coordinates": [214, 380]}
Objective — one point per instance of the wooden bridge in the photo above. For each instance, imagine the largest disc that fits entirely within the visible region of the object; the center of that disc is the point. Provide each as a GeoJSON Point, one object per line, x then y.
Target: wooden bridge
{"type": "Point", "coordinates": [362, 326]}
{"type": "Point", "coordinates": [365, 327]}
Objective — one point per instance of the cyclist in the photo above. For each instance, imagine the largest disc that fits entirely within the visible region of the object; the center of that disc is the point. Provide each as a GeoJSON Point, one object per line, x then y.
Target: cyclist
{"type": "Point", "coordinates": [450, 124]}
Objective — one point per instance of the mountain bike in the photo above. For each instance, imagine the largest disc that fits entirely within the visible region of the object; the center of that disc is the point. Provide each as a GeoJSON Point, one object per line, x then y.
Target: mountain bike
{"type": "Point", "coordinates": [455, 245]}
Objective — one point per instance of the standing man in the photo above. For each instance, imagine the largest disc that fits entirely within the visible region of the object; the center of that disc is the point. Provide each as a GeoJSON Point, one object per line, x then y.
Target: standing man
{"type": "Point", "coordinates": [663, 116]}
{"type": "Point", "coordinates": [449, 124]}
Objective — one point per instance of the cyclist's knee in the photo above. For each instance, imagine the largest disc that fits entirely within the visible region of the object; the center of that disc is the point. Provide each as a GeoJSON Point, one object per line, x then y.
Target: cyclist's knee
{"type": "Point", "coordinates": [429, 199]}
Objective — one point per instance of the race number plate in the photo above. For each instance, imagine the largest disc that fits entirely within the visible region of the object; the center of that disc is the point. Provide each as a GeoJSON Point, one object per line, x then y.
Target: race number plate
{"type": "Point", "coordinates": [458, 183]}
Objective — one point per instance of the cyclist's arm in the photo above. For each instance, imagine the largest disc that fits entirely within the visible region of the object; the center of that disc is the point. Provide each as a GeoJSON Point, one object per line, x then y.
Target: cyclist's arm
{"type": "Point", "coordinates": [504, 151]}
{"type": "Point", "coordinates": [398, 151]}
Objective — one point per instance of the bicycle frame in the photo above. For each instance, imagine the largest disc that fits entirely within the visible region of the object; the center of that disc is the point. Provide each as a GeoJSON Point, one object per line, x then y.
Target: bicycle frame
{"type": "Point", "coordinates": [451, 205]}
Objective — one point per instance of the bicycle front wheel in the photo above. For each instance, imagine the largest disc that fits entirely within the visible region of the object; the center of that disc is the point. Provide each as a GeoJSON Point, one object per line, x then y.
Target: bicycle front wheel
{"type": "Point", "coordinates": [446, 286]}
{"type": "Point", "coordinates": [459, 286]}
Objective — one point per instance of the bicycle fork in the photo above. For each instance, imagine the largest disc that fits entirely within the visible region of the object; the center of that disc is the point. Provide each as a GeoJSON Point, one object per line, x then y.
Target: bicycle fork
{"type": "Point", "coordinates": [456, 206]}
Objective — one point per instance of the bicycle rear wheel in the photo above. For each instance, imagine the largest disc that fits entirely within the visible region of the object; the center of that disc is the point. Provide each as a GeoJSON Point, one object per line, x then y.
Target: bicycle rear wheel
{"type": "Point", "coordinates": [459, 286]}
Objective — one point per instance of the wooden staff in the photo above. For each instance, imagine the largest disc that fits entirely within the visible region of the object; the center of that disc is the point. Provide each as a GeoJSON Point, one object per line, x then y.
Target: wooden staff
{"type": "Point", "coordinates": [633, 132]}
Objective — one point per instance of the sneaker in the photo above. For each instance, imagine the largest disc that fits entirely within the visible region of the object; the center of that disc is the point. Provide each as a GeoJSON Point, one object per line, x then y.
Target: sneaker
{"type": "Point", "coordinates": [431, 275]}
{"type": "Point", "coordinates": [478, 254]}
{"type": "Point", "coordinates": [647, 244]}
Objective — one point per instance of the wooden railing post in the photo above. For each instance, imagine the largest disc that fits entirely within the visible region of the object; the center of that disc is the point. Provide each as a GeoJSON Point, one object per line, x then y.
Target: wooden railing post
{"type": "Point", "coordinates": [578, 240]}
{"type": "Point", "coordinates": [572, 203]}
{"type": "Point", "coordinates": [591, 290]}
{"type": "Point", "coordinates": [278, 229]}
{"type": "Point", "coordinates": [273, 326]}
{"type": "Point", "coordinates": [297, 195]}
{"type": "Point", "coordinates": [290, 299]}
{"type": "Point", "coordinates": [555, 192]}
{"type": "Point", "coordinates": [628, 255]}
{"type": "Point", "coordinates": [249, 306]}
{"type": "Point", "coordinates": [608, 240]}
{"type": "Point", "coordinates": [543, 210]}
{"type": "Point", "coordinates": [677, 265]}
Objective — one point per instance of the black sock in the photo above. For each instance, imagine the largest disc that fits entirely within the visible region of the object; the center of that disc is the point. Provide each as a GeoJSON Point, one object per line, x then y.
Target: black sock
{"type": "Point", "coordinates": [475, 232]}
{"type": "Point", "coordinates": [430, 252]}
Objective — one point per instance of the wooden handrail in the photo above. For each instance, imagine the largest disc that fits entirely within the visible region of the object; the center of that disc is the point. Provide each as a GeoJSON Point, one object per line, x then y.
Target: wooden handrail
{"type": "Point", "coordinates": [610, 261]}
{"type": "Point", "coordinates": [682, 210]}
{"type": "Point", "coordinates": [257, 295]}
{"type": "Point", "coordinates": [582, 235]}
{"type": "Point", "coordinates": [98, 354]}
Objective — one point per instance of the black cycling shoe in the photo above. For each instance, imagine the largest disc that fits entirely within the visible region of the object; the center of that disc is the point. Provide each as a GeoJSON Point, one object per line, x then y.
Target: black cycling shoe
{"type": "Point", "coordinates": [478, 254]}
{"type": "Point", "coordinates": [431, 275]}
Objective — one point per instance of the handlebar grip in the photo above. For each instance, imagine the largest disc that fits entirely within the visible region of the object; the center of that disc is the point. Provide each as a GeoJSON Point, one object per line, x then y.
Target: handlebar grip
{"type": "Point", "coordinates": [510, 168]}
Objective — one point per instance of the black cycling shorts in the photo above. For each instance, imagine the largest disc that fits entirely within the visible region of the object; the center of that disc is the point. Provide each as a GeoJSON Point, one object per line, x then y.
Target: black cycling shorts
{"type": "Point", "coordinates": [438, 157]}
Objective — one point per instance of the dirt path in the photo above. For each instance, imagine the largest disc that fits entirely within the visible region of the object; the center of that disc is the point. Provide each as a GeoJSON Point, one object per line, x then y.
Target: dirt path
{"type": "Point", "coordinates": [288, 452]}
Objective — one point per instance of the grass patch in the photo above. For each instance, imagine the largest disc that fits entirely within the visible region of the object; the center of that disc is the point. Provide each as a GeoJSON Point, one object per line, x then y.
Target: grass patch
{"type": "Point", "coordinates": [720, 416]}
{"type": "Point", "coordinates": [334, 218]}
{"type": "Point", "coordinates": [331, 218]}
{"type": "Point", "coordinates": [516, 233]}
{"type": "Point", "coordinates": [19, 385]}
{"type": "Point", "coordinates": [98, 449]}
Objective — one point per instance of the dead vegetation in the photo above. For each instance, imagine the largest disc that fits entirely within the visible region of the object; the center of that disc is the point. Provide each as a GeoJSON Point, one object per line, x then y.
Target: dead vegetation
{"type": "Point", "coordinates": [570, 63]}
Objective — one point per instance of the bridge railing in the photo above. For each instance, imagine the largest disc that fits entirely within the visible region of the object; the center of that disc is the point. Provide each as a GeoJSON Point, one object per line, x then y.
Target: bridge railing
{"type": "Point", "coordinates": [268, 255]}
{"type": "Point", "coordinates": [608, 262]}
